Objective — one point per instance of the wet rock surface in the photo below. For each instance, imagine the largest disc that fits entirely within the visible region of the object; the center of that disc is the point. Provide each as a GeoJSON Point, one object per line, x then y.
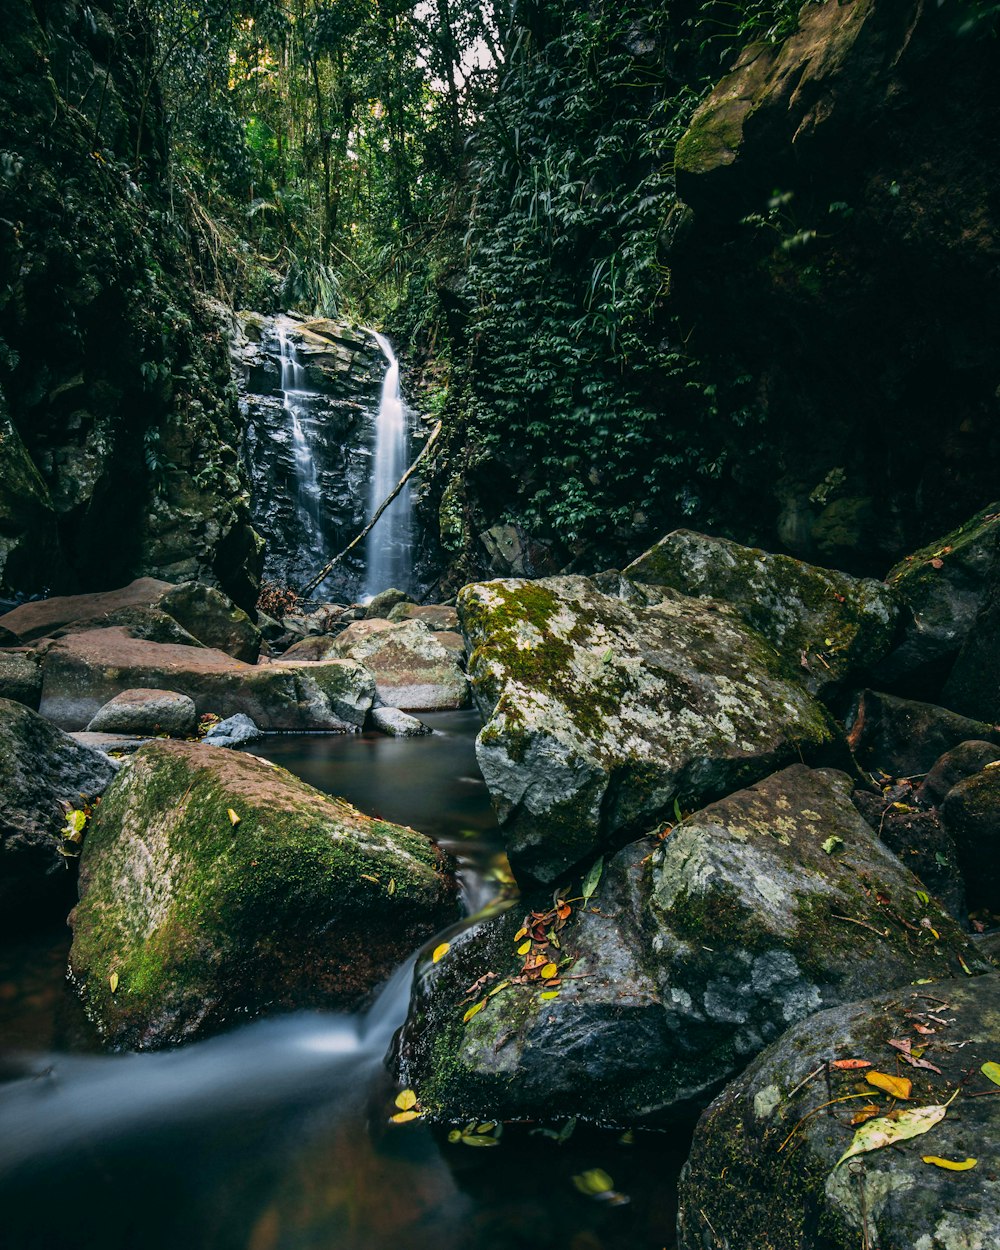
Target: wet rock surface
{"type": "Point", "coordinates": [693, 954]}
{"type": "Point", "coordinates": [41, 769]}
{"type": "Point", "coordinates": [202, 919]}
{"type": "Point", "coordinates": [764, 1165]}
{"type": "Point", "coordinates": [905, 737]}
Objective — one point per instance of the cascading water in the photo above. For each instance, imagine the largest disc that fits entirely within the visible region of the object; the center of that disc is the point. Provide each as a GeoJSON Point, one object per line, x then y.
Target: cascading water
{"type": "Point", "coordinates": [293, 388]}
{"type": "Point", "coordinates": [389, 546]}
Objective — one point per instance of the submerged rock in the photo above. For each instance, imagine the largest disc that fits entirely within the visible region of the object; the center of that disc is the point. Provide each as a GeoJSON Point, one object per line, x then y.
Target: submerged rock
{"type": "Point", "coordinates": [825, 624]}
{"type": "Point", "coordinates": [763, 1167]}
{"type": "Point", "coordinates": [412, 669]}
{"type": "Point", "coordinates": [391, 721]}
{"type": "Point", "coordinates": [600, 715]}
{"type": "Point", "coordinates": [692, 955]}
{"type": "Point", "coordinates": [147, 712]}
{"type": "Point", "coordinates": [41, 768]}
{"type": "Point", "coordinates": [202, 921]}
{"type": "Point", "coordinates": [83, 671]}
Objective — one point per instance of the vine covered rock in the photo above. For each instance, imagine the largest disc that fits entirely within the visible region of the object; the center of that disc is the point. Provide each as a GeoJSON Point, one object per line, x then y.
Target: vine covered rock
{"type": "Point", "coordinates": [215, 885]}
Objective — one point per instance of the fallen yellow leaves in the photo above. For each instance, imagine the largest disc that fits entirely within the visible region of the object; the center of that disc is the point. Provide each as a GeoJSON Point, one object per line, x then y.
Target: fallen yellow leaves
{"type": "Point", "coordinates": [897, 1086]}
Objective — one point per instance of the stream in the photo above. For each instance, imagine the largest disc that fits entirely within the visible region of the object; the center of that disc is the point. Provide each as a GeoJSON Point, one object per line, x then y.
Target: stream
{"type": "Point", "coordinates": [275, 1135]}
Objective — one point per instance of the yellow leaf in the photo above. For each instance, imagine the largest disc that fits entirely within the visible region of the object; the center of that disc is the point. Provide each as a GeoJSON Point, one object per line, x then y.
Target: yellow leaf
{"type": "Point", "coordinates": [234, 820]}
{"type": "Point", "coordinates": [368, 877]}
{"type": "Point", "coordinates": [594, 1181]}
{"type": "Point", "coordinates": [392, 885]}
{"type": "Point", "coordinates": [952, 1165]}
{"type": "Point", "coordinates": [898, 1086]}
{"type": "Point", "coordinates": [475, 1140]}
{"type": "Point", "coordinates": [522, 932]}
{"type": "Point", "coordinates": [404, 1117]}
{"type": "Point", "coordinates": [454, 1136]}
{"type": "Point", "coordinates": [476, 1007]}
{"type": "Point", "coordinates": [524, 948]}
{"type": "Point", "coordinates": [441, 951]}
{"type": "Point", "coordinates": [406, 1100]}
{"type": "Point", "coordinates": [549, 971]}
{"type": "Point", "coordinates": [549, 994]}
{"type": "Point", "coordinates": [497, 988]}
{"type": "Point", "coordinates": [992, 1072]}
{"type": "Point", "coordinates": [113, 982]}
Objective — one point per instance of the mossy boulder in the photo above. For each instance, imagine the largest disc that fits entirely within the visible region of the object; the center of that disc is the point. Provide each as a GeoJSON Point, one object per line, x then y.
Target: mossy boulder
{"type": "Point", "coordinates": [304, 902]}
{"type": "Point", "coordinates": [695, 952]}
{"type": "Point", "coordinates": [148, 712]}
{"type": "Point", "coordinates": [41, 769]}
{"type": "Point", "coordinates": [81, 672]}
{"type": "Point", "coordinates": [600, 714]}
{"type": "Point", "coordinates": [943, 587]}
{"type": "Point", "coordinates": [826, 625]}
{"type": "Point", "coordinates": [413, 670]}
{"type": "Point", "coordinates": [763, 1167]}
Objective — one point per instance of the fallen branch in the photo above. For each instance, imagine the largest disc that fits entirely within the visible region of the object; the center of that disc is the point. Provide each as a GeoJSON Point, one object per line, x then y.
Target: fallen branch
{"type": "Point", "coordinates": [327, 569]}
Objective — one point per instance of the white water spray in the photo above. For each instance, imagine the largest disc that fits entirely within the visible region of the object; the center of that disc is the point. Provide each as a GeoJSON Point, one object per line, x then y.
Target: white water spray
{"type": "Point", "coordinates": [293, 388]}
{"type": "Point", "coordinates": [389, 547]}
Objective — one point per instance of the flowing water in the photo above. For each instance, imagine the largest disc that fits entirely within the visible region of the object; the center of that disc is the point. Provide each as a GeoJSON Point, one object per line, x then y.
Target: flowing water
{"type": "Point", "coordinates": [275, 1136]}
{"type": "Point", "coordinates": [390, 543]}
{"type": "Point", "coordinates": [295, 394]}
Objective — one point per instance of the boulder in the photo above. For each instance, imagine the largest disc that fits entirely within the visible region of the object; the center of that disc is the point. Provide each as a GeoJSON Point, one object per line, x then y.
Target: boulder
{"type": "Point", "coordinates": [452, 642]}
{"type": "Point", "coordinates": [315, 647]}
{"type": "Point", "coordinates": [203, 919]}
{"type": "Point", "coordinates": [764, 1168]}
{"type": "Point", "coordinates": [825, 624]}
{"type": "Point", "coordinates": [693, 953]}
{"type": "Point", "coordinates": [904, 737]}
{"type": "Point", "coordinates": [943, 587]}
{"type": "Point", "coordinates": [412, 669]}
{"type": "Point", "coordinates": [391, 721]}
{"type": "Point", "coordinates": [20, 678]}
{"type": "Point", "coordinates": [383, 603]}
{"type": "Point", "coordinates": [41, 768]}
{"type": "Point", "coordinates": [149, 712]}
{"type": "Point", "coordinates": [600, 716]}
{"type": "Point", "coordinates": [158, 611]}
{"type": "Point", "coordinates": [965, 760]}
{"type": "Point", "coordinates": [83, 671]}
{"type": "Point", "coordinates": [971, 814]}
{"type": "Point", "coordinates": [434, 615]}
{"type": "Point", "coordinates": [973, 685]}
{"type": "Point", "coordinates": [234, 731]}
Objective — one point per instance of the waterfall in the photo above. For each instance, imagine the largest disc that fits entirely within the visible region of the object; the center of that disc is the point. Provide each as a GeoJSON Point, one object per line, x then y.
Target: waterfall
{"type": "Point", "coordinates": [294, 393]}
{"type": "Point", "coordinates": [389, 546]}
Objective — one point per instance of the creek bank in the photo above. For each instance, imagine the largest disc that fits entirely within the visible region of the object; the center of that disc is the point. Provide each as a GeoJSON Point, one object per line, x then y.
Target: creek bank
{"type": "Point", "coordinates": [189, 919]}
{"type": "Point", "coordinates": [763, 1166]}
{"type": "Point", "coordinates": [697, 949]}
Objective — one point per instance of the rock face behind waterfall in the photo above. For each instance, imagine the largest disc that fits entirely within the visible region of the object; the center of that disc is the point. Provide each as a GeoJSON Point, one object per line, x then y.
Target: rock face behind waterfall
{"type": "Point", "coordinates": [342, 371]}
{"type": "Point", "coordinates": [602, 714]}
{"type": "Point", "coordinates": [202, 919]}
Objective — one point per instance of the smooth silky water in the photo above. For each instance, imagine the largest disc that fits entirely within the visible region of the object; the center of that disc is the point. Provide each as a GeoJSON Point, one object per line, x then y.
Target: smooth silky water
{"type": "Point", "coordinates": [275, 1135]}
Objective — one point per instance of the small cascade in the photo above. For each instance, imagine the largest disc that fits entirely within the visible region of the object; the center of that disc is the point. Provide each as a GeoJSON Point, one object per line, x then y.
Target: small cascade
{"type": "Point", "coordinates": [294, 393]}
{"type": "Point", "coordinates": [389, 549]}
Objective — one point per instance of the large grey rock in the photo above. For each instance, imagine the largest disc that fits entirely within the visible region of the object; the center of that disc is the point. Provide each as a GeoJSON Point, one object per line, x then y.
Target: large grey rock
{"type": "Point", "coordinates": [83, 671]}
{"type": "Point", "coordinates": [391, 721]}
{"type": "Point", "coordinates": [304, 902]}
{"type": "Point", "coordinates": [148, 712]}
{"type": "Point", "coordinates": [20, 678]}
{"type": "Point", "coordinates": [412, 669]}
{"type": "Point", "coordinates": [693, 954]}
{"type": "Point", "coordinates": [943, 587]}
{"type": "Point", "coordinates": [601, 715]}
{"type": "Point", "coordinates": [41, 768]}
{"type": "Point", "coordinates": [383, 603]}
{"type": "Point", "coordinates": [823, 623]}
{"type": "Point", "coordinates": [234, 731]}
{"type": "Point", "coordinates": [434, 615]}
{"type": "Point", "coordinates": [763, 1166]}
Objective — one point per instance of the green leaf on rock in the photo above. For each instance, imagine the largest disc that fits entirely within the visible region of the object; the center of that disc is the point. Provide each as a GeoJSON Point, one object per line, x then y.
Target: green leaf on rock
{"type": "Point", "coordinates": [593, 879]}
{"type": "Point", "coordinates": [896, 1126]}
{"type": "Point", "coordinates": [832, 844]}
{"type": "Point", "coordinates": [991, 1071]}
{"type": "Point", "coordinates": [473, 1010]}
